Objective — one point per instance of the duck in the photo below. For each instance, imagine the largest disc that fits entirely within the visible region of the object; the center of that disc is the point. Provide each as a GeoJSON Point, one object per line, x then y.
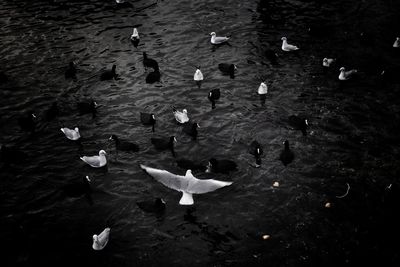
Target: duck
{"type": "Point", "coordinates": [52, 112]}
{"type": "Point", "coordinates": [215, 40]}
{"type": "Point", "coordinates": [190, 128]}
{"type": "Point", "coordinates": [101, 240]}
{"type": "Point", "coordinates": [123, 4]}
{"type": "Point", "coordinates": [12, 154]}
{"type": "Point", "coordinates": [299, 123]}
{"type": "Point", "coordinates": [124, 145]}
{"type": "Point", "coordinates": [71, 134]}
{"type": "Point", "coordinates": [155, 206]}
{"type": "Point", "coordinates": [272, 56]}
{"type": "Point", "coordinates": [96, 161]}
{"type": "Point", "coordinates": [109, 74]}
{"type": "Point", "coordinates": [149, 62]}
{"type": "Point", "coordinates": [187, 184]}
{"type": "Point", "coordinates": [164, 143]}
{"type": "Point", "coordinates": [227, 68]}
{"type": "Point", "coordinates": [135, 39]}
{"type": "Point", "coordinates": [286, 155]}
{"type": "Point", "coordinates": [27, 122]}
{"type": "Point", "coordinates": [256, 150]}
{"type": "Point", "coordinates": [198, 76]}
{"type": "Point", "coordinates": [87, 107]}
{"type": "Point", "coordinates": [190, 165]}
{"type": "Point", "coordinates": [221, 166]}
{"type": "Point", "coordinates": [180, 116]}
{"type": "Point", "coordinates": [288, 47]}
{"type": "Point", "coordinates": [70, 73]}
{"type": "Point", "coordinates": [396, 43]}
{"type": "Point", "coordinates": [148, 119]}
{"type": "Point", "coordinates": [326, 62]}
{"type": "Point", "coordinates": [345, 75]}
{"type": "Point", "coordinates": [213, 95]}
{"type": "Point", "coordinates": [77, 189]}
{"type": "Point", "coordinates": [153, 76]}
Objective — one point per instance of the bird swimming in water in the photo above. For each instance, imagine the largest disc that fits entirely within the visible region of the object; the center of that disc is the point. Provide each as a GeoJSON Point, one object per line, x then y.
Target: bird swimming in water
{"type": "Point", "coordinates": [396, 43]}
{"type": "Point", "coordinates": [345, 75]}
{"type": "Point", "coordinates": [96, 161]}
{"type": "Point", "coordinates": [287, 47]}
{"type": "Point", "coordinates": [148, 119]}
{"type": "Point", "coordinates": [149, 62]}
{"type": "Point", "coordinates": [180, 116]}
{"type": "Point", "coordinates": [256, 150]}
{"type": "Point", "coordinates": [154, 76]}
{"type": "Point", "coordinates": [218, 40]}
{"type": "Point", "coordinates": [71, 134]}
{"type": "Point", "coordinates": [227, 68]}
{"type": "Point", "coordinates": [262, 92]}
{"type": "Point", "coordinates": [191, 129]}
{"type": "Point", "coordinates": [187, 184]}
{"type": "Point", "coordinates": [190, 165]}
{"type": "Point", "coordinates": [155, 206]}
{"type": "Point", "coordinates": [213, 95]}
{"type": "Point", "coordinates": [71, 71]}
{"type": "Point", "coordinates": [135, 39]}
{"type": "Point", "coordinates": [326, 62]}
{"type": "Point", "coordinates": [221, 166]}
{"type": "Point", "coordinates": [101, 240]}
{"type": "Point", "coordinates": [124, 145]}
{"type": "Point", "coordinates": [286, 155]}
{"type": "Point", "coordinates": [27, 122]}
{"type": "Point", "coordinates": [109, 74]}
{"type": "Point", "coordinates": [198, 76]}
{"type": "Point", "coordinates": [164, 143]}
{"type": "Point", "coordinates": [299, 123]}
{"type": "Point", "coordinates": [87, 107]}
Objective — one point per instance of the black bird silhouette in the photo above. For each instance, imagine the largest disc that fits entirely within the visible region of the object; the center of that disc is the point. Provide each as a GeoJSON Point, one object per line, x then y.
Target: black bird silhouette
{"type": "Point", "coordinates": [256, 150]}
{"type": "Point", "coordinates": [148, 119]}
{"type": "Point", "coordinates": [77, 189]}
{"type": "Point", "coordinates": [71, 71]}
{"type": "Point", "coordinates": [221, 166]}
{"type": "Point", "coordinates": [155, 206]}
{"type": "Point", "coordinates": [109, 74]}
{"type": "Point", "coordinates": [27, 122]}
{"type": "Point", "coordinates": [124, 145]}
{"type": "Point", "coordinates": [272, 56]}
{"type": "Point", "coordinates": [122, 4]}
{"type": "Point", "coordinates": [190, 165]}
{"type": "Point", "coordinates": [286, 155]}
{"type": "Point", "coordinates": [52, 112]}
{"type": "Point", "coordinates": [164, 143]}
{"type": "Point", "coordinates": [298, 123]}
{"type": "Point", "coordinates": [190, 128]}
{"type": "Point", "coordinates": [227, 69]}
{"type": "Point", "coordinates": [149, 62]}
{"type": "Point", "coordinates": [154, 76]}
{"type": "Point", "coordinates": [214, 95]}
{"type": "Point", "coordinates": [87, 107]}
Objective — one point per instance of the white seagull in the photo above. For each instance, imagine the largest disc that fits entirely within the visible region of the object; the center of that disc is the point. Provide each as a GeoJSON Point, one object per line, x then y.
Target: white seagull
{"type": "Point", "coordinates": [198, 75]}
{"type": "Point", "coordinates": [101, 240]}
{"type": "Point", "coordinates": [180, 116]}
{"type": "Point", "coordinates": [286, 46]}
{"type": "Point", "coordinates": [326, 62]}
{"type": "Point", "coordinates": [218, 40]}
{"type": "Point", "coordinates": [345, 75]}
{"type": "Point", "coordinates": [96, 161]}
{"type": "Point", "coordinates": [396, 42]}
{"type": "Point", "coordinates": [187, 184]}
{"type": "Point", "coordinates": [71, 134]}
{"type": "Point", "coordinates": [135, 34]}
{"type": "Point", "coordinates": [262, 89]}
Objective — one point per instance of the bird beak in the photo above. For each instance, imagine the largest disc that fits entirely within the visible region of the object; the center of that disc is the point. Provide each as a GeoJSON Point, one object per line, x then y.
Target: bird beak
{"type": "Point", "coordinates": [88, 179]}
{"type": "Point", "coordinates": [175, 139]}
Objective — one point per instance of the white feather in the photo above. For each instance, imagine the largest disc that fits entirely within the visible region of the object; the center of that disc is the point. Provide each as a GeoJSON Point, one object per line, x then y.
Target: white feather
{"type": "Point", "coordinates": [101, 240]}
{"type": "Point", "coordinates": [181, 116]}
{"type": "Point", "coordinates": [71, 134]}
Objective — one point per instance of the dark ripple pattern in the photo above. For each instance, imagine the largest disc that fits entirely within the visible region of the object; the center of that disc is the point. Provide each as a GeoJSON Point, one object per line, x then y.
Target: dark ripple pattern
{"type": "Point", "coordinates": [353, 135]}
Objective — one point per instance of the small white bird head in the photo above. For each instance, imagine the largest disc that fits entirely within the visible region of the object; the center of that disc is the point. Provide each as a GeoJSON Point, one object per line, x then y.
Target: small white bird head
{"type": "Point", "coordinates": [95, 238]}
{"type": "Point", "coordinates": [325, 60]}
{"type": "Point", "coordinates": [213, 34]}
{"type": "Point", "coordinates": [95, 104]}
{"type": "Point", "coordinates": [197, 125]}
{"type": "Point", "coordinates": [33, 115]}
{"type": "Point", "coordinates": [184, 111]}
{"type": "Point", "coordinates": [342, 69]}
{"type": "Point", "coordinates": [175, 139]}
{"type": "Point", "coordinates": [306, 121]}
{"type": "Point", "coordinates": [76, 129]}
{"type": "Point", "coordinates": [235, 67]}
{"type": "Point", "coordinates": [283, 39]}
{"type": "Point", "coordinates": [102, 152]}
{"type": "Point", "coordinates": [88, 179]}
{"type": "Point", "coordinates": [154, 117]}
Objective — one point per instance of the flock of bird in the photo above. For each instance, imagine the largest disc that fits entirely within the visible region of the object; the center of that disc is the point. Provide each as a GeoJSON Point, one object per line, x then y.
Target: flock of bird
{"type": "Point", "coordinates": [187, 184]}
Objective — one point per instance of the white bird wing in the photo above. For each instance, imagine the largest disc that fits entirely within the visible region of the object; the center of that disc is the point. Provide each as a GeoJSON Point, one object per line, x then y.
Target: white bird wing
{"type": "Point", "coordinates": [103, 236]}
{"type": "Point", "coordinates": [181, 117]}
{"type": "Point", "coordinates": [204, 186]}
{"type": "Point", "coordinates": [92, 161]}
{"type": "Point", "coordinates": [291, 47]}
{"type": "Point", "coordinates": [170, 180]}
{"type": "Point", "coordinates": [220, 39]}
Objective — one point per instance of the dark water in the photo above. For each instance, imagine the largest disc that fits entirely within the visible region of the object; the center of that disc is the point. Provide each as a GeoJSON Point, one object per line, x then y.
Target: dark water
{"type": "Point", "coordinates": [353, 135]}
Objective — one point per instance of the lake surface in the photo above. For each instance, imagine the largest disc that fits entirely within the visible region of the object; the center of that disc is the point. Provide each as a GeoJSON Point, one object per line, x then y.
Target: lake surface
{"type": "Point", "coordinates": [353, 137]}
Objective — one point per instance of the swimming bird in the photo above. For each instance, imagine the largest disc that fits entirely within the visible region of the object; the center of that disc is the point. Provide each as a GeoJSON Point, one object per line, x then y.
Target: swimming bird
{"type": "Point", "coordinates": [213, 95]}
{"type": "Point", "coordinates": [27, 122]}
{"type": "Point", "coordinates": [299, 123]}
{"type": "Point", "coordinates": [221, 166]}
{"type": "Point", "coordinates": [101, 240]}
{"type": "Point", "coordinates": [198, 76]}
{"type": "Point", "coordinates": [218, 40]}
{"type": "Point", "coordinates": [190, 128]}
{"type": "Point", "coordinates": [52, 112]}
{"type": "Point", "coordinates": [396, 43]}
{"type": "Point", "coordinates": [262, 92]}
{"type": "Point", "coordinates": [228, 69]}
{"type": "Point", "coordinates": [190, 165]}
{"type": "Point", "coordinates": [286, 155]}
{"type": "Point", "coordinates": [164, 143]}
{"type": "Point", "coordinates": [148, 119]}
{"type": "Point", "coordinates": [149, 62]}
{"type": "Point", "coordinates": [77, 189]}
{"type": "Point", "coordinates": [272, 56]}
{"type": "Point", "coordinates": [156, 206]}
{"type": "Point", "coordinates": [187, 184]}
{"type": "Point", "coordinates": [71, 134]}
{"type": "Point", "coordinates": [256, 150]}
{"type": "Point", "coordinates": [12, 154]}
{"type": "Point", "coordinates": [122, 4]}
{"type": "Point", "coordinates": [153, 76]}
{"type": "Point", "coordinates": [135, 39]}
{"type": "Point", "coordinates": [286, 46]}
{"type": "Point", "coordinates": [124, 145]}
{"type": "Point", "coordinates": [180, 116]}
{"type": "Point", "coordinates": [345, 75]}
{"type": "Point", "coordinates": [87, 107]}
{"type": "Point", "coordinates": [96, 161]}
{"type": "Point", "coordinates": [326, 62]}
{"type": "Point", "coordinates": [109, 74]}
{"type": "Point", "coordinates": [71, 71]}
